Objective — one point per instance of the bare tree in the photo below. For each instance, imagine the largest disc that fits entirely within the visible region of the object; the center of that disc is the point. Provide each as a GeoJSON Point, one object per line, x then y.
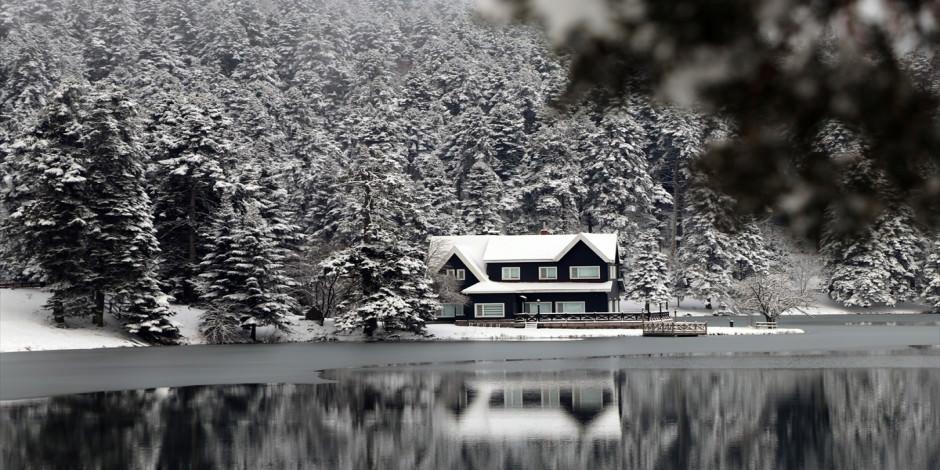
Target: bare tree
{"type": "Point", "coordinates": [448, 289]}
{"type": "Point", "coordinates": [321, 287]}
{"type": "Point", "coordinates": [768, 294]}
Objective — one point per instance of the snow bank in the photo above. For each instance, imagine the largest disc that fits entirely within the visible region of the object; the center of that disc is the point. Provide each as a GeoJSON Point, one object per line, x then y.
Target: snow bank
{"type": "Point", "coordinates": [447, 332]}
{"type": "Point", "coordinates": [747, 330]}
{"type": "Point", "coordinates": [25, 326]}
{"type": "Point", "coordinates": [821, 305]}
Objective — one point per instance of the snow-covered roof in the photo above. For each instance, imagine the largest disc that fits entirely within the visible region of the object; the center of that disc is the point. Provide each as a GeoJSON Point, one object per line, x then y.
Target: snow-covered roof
{"type": "Point", "coordinates": [492, 287]}
{"type": "Point", "coordinates": [477, 250]}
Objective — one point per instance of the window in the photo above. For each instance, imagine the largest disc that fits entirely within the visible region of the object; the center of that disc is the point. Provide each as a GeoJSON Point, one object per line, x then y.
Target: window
{"type": "Point", "coordinates": [490, 310]}
{"type": "Point", "coordinates": [538, 307]}
{"type": "Point", "coordinates": [511, 273]}
{"type": "Point", "coordinates": [461, 274]}
{"type": "Point", "coordinates": [613, 272]}
{"type": "Point", "coordinates": [449, 272]}
{"type": "Point", "coordinates": [585, 272]}
{"type": "Point", "coordinates": [549, 273]}
{"type": "Point", "coordinates": [450, 310]}
{"type": "Point", "coordinates": [569, 307]}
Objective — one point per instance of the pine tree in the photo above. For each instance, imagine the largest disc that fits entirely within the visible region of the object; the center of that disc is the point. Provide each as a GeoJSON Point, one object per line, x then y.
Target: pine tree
{"type": "Point", "coordinates": [648, 276]}
{"type": "Point", "coordinates": [931, 276]}
{"type": "Point", "coordinates": [705, 260]}
{"type": "Point", "coordinates": [242, 276]}
{"type": "Point", "coordinates": [372, 191]}
{"type": "Point", "coordinates": [480, 202]}
{"type": "Point", "coordinates": [622, 195]}
{"type": "Point", "coordinates": [123, 249]}
{"type": "Point", "coordinates": [52, 211]}
{"type": "Point", "coordinates": [877, 267]}
{"type": "Point", "coordinates": [191, 156]}
{"type": "Point", "coordinates": [552, 190]}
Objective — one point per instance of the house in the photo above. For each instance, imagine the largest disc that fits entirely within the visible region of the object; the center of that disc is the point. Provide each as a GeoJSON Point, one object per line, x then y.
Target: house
{"type": "Point", "coordinates": [506, 276]}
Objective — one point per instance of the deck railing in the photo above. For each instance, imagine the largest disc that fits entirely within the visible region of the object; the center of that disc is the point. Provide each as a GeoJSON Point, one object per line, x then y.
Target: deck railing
{"type": "Point", "coordinates": [592, 316]}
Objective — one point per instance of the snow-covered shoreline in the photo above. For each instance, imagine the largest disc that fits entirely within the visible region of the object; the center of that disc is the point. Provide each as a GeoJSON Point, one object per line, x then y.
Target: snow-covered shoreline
{"type": "Point", "coordinates": [25, 326]}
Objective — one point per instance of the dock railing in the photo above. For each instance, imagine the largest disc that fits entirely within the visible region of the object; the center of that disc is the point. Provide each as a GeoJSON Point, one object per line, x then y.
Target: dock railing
{"type": "Point", "coordinates": [669, 327]}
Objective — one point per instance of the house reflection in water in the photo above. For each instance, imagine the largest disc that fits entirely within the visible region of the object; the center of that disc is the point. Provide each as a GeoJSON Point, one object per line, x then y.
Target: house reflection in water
{"type": "Point", "coordinates": [532, 406]}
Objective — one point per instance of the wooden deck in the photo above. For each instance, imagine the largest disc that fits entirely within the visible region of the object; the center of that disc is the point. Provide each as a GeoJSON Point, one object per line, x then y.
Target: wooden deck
{"type": "Point", "coordinates": [671, 328]}
{"type": "Point", "coordinates": [598, 320]}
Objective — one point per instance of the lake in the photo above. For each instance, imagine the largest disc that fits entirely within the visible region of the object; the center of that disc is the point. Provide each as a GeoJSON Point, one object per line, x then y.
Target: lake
{"type": "Point", "coordinates": [859, 393]}
{"type": "Point", "coordinates": [769, 411]}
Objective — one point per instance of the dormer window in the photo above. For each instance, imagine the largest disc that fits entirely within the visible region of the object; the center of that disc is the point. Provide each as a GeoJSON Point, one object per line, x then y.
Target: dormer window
{"type": "Point", "coordinates": [585, 272]}
{"type": "Point", "coordinates": [510, 273]}
{"type": "Point", "coordinates": [548, 273]}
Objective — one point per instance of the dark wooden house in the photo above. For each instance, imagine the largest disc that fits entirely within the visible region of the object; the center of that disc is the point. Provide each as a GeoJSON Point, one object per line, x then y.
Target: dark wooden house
{"type": "Point", "coordinates": [505, 276]}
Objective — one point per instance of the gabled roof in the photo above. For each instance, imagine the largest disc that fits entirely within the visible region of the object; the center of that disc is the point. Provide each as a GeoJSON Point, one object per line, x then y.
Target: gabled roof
{"type": "Point", "coordinates": [477, 250]}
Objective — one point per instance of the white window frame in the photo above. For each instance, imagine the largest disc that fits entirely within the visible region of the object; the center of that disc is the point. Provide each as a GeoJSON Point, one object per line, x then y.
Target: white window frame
{"type": "Point", "coordinates": [547, 278]}
{"type": "Point", "coordinates": [572, 269]}
{"type": "Point", "coordinates": [612, 272]}
{"type": "Point", "coordinates": [560, 302]}
{"type": "Point", "coordinates": [479, 308]}
{"type": "Point", "coordinates": [457, 309]}
{"type": "Point", "coordinates": [525, 308]}
{"type": "Point", "coordinates": [449, 272]}
{"type": "Point", "coordinates": [460, 274]}
{"type": "Point", "coordinates": [507, 278]}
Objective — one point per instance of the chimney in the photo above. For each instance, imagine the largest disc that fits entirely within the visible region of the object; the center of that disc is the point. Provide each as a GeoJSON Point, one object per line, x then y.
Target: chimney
{"type": "Point", "coordinates": [545, 231]}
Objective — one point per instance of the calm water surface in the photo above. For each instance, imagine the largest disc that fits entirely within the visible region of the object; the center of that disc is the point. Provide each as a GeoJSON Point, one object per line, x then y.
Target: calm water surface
{"type": "Point", "coordinates": [871, 411]}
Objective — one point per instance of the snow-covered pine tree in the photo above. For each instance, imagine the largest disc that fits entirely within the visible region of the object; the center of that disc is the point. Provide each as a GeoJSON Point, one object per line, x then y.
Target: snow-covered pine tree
{"type": "Point", "coordinates": [931, 275]}
{"type": "Point", "coordinates": [858, 272]}
{"type": "Point", "coordinates": [52, 210]}
{"type": "Point", "coordinates": [705, 259]}
{"type": "Point", "coordinates": [750, 251]}
{"type": "Point", "coordinates": [481, 201]}
{"type": "Point", "coordinates": [552, 190]}
{"type": "Point", "coordinates": [906, 246]}
{"type": "Point", "coordinates": [242, 277]}
{"type": "Point", "coordinates": [372, 191]}
{"type": "Point", "coordinates": [123, 248]}
{"type": "Point", "coordinates": [191, 154]}
{"type": "Point", "coordinates": [436, 196]}
{"type": "Point", "coordinates": [648, 273]}
{"type": "Point", "coordinates": [395, 288]}
{"type": "Point", "coordinates": [878, 266]}
{"type": "Point", "coordinates": [622, 195]}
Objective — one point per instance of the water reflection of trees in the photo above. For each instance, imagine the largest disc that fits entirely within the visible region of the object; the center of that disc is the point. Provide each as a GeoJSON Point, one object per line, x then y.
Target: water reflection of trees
{"type": "Point", "coordinates": [622, 419]}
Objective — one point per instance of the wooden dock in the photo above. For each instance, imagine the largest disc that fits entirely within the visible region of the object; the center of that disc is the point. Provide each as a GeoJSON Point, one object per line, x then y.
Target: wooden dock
{"type": "Point", "coordinates": [671, 328]}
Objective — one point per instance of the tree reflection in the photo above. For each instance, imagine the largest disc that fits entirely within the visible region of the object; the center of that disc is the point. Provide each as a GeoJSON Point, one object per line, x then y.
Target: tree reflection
{"type": "Point", "coordinates": [843, 418]}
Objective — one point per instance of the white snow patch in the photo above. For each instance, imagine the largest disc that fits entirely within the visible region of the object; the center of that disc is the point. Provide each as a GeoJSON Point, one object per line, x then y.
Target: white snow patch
{"type": "Point", "coordinates": [26, 326]}
{"type": "Point", "coordinates": [448, 332]}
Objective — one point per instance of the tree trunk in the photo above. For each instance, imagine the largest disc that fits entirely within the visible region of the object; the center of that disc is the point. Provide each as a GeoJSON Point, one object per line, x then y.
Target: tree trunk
{"type": "Point", "coordinates": [192, 226]}
{"type": "Point", "coordinates": [57, 313]}
{"type": "Point", "coordinates": [254, 333]}
{"type": "Point", "coordinates": [99, 308]}
{"type": "Point", "coordinates": [370, 326]}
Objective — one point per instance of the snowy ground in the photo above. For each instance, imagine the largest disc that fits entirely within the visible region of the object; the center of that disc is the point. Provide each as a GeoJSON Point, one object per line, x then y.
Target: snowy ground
{"type": "Point", "coordinates": [25, 326]}
{"type": "Point", "coordinates": [448, 332]}
{"type": "Point", "coordinates": [821, 305]}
